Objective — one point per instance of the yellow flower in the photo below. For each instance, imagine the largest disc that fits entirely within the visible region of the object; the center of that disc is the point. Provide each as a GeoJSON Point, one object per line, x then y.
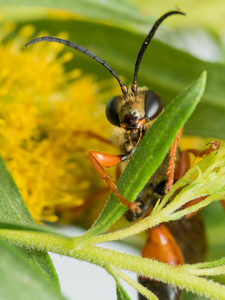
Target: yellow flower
{"type": "Point", "coordinates": [49, 120]}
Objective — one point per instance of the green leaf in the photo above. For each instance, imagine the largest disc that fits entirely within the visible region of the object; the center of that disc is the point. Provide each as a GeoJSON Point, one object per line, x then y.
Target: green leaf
{"type": "Point", "coordinates": [125, 13]}
{"type": "Point", "coordinates": [21, 280]}
{"type": "Point", "coordinates": [31, 227]}
{"type": "Point", "coordinates": [121, 293]}
{"type": "Point", "coordinates": [149, 154]}
{"type": "Point", "coordinates": [14, 210]}
{"type": "Point", "coordinates": [212, 14]}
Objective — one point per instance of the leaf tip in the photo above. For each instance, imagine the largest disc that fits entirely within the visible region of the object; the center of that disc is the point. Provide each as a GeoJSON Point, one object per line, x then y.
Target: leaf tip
{"type": "Point", "coordinates": [204, 77]}
{"type": "Point", "coordinates": [201, 84]}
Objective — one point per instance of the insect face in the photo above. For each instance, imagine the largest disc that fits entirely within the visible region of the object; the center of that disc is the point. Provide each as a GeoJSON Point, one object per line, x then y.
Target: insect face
{"type": "Point", "coordinates": [134, 112]}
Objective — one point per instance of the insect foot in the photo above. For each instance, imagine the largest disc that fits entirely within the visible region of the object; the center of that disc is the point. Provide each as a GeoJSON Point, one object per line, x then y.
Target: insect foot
{"type": "Point", "coordinates": [135, 208]}
{"type": "Point", "coordinates": [214, 146]}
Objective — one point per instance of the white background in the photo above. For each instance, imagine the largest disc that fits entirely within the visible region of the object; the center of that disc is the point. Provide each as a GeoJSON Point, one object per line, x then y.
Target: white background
{"type": "Point", "coordinates": [84, 281]}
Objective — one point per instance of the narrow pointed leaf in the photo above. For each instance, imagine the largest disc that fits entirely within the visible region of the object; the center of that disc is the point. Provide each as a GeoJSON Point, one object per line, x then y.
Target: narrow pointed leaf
{"type": "Point", "coordinates": [31, 227]}
{"type": "Point", "coordinates": [20, 279]}
{"type": "Point", "coordinates": [14, 210]}
{"type": "Point", "coordinates": [121, 293]}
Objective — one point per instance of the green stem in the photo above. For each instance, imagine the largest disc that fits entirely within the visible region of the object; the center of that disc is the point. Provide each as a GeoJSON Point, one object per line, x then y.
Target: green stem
{"type": "Point", "coordinates": [195, 207]}
{"type": "Point", "coordinates": [163, 215]}
{"type": "Point", "coordinates": [100, 256]}
{"type": "Point", "coordinates": [130, 231]}
{"type": "Point", "coordinates": [208, 272]}
{"type": "Point", "coordinates": [139, 287]}
{"type": "Point", "coordinates": [207, 264]}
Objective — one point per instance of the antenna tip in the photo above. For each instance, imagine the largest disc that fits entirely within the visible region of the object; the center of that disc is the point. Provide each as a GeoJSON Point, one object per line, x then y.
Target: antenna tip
{"type": "Point", "coordinates": [179, 8]}
{"type": "Point", "coordinates": [30, 42]}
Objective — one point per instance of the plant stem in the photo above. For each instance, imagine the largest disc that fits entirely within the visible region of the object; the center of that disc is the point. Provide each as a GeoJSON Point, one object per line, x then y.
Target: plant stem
{"type": "Point", "coordinates": [99, 256]}
{"type": "Point", "coordinates": [140, 288]}
{"type": "Point", "coordinates": [208, 272]}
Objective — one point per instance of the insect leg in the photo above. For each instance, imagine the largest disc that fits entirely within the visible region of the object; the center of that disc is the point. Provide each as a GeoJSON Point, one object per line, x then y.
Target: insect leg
{"type": "Point", "coordinates": [100, 161]}
{"type": "Point", "coordinates": [222, 202]}
{"type": "Point", "coordinates": [173, 152]}
{"type": "Point", "coordinates": [213, 146]}
{"type": "Point", "coordinates": [183, 165]}
{"type": "Point", "coordinates": [94, 135]}
{"type": "Point", "coordinates": [189, 231]}
{"type": "Point", "coordinates": [162, 247]}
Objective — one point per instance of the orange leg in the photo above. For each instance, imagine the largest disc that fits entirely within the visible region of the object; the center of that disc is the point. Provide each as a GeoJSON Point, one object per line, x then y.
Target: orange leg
{"type": "Point", "coordinates": [193, 202]}
{"type": "Point", "coordinates": [213, 146]}
{"type": "Point", "coordinates": [183, 166]}
{"type": "Point", "coordinates": [173, 151]}
{"type": "Point", "coordinates": [94, 135]}
{"type": "Point", "coordinates": [100, 161]}
{"type": "Point", "coordinates": [222, 202]}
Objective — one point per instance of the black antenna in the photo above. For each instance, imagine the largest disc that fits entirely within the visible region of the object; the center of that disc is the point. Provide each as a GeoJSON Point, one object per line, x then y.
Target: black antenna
{"type": "Point", "coordinates": [82, 50]}
{"type": "Point", "coordinates": [146, 43]}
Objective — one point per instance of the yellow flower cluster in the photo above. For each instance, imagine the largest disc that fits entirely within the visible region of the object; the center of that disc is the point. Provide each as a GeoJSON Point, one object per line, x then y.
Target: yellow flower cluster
{"type": "Point", "coordinates": [49, 121]}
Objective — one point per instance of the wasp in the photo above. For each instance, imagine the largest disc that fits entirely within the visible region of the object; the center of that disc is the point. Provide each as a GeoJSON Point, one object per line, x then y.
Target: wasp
{"type": "Point", "coordinates": [133, 113]}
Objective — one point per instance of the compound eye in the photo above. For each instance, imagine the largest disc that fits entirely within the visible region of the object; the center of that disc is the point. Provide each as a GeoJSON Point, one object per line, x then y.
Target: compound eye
{"type": "Point", "coordinates": [153, 105]}
{"type": "Point", "coordinates": [112, 112]}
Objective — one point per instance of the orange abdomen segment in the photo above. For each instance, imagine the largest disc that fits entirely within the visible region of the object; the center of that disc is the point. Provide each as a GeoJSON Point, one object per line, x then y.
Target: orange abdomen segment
{"type": "Point", "coordinates": [162, 246]}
